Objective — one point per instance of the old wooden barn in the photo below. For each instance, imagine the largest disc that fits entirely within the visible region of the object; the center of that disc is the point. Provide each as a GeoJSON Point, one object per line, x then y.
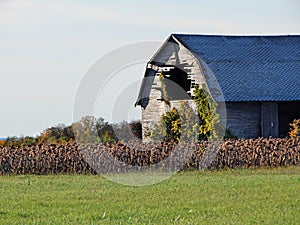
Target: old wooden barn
{"type": "Point", "coordinates": [258, 78]}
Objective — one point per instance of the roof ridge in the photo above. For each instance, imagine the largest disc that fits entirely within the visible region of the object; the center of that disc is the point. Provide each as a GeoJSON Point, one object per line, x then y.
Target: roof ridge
{"type": "Point", "coordinates": [236, 35]}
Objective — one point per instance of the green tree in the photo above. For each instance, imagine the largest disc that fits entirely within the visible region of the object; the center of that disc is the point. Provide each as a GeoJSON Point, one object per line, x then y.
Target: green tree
{"type": "Point", "coordinates": [93, 130]}
{"type": "Point", "coordinates": [105, 131]}
{"type": "Point", "coordinates": [136, 128]}
{"type": "Point", "coordinates": [169, 126]}
{"type": "Point", "coordinates": [85, 130]}
{"type": "Point", "coordinates": [58, 133]}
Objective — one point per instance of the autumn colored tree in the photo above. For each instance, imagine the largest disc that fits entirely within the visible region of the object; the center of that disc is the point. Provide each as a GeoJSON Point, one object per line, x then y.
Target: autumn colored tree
{"type": "Point", "coordinates": [295, 128]}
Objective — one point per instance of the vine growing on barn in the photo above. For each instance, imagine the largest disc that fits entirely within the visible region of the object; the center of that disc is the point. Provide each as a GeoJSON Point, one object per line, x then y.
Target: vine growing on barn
{"type": "Point", "coordinates": [164, 89]}
{"type": "Point", "coordinates": [210, 126]}
{"type": "Point", "coordinates": [186, 124]}
{"type": "Point", "coordinates": [169, 126]}
{"type": "Point", "coordinates": [178, 124]}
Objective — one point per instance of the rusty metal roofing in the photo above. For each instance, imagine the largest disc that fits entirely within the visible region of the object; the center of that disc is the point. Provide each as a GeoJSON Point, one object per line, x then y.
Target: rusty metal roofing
{"type": "Point", "coordinates": [250, 68]}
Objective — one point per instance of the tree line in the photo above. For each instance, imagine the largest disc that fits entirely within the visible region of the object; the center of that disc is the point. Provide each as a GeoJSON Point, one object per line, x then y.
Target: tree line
{"type": "Point", "coordinates": [88, 130]}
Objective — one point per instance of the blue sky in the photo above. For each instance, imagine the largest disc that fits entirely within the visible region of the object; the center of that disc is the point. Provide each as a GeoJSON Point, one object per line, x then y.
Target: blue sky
{"type": "Point", "coordinates": [47, 46]}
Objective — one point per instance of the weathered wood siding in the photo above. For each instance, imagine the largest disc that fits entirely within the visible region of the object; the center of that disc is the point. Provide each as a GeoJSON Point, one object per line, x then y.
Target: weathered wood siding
{"type": "Point", "coordinates": [269, 119]}
{"type": "Point", "coordinates": [188, 63]}
{"type": "Point", "coordinates": [243, 119]}
{"type": "Point", "coordinates": [178, 56]}
{"type": "Point", "coordinates": [155, 108]}
{"type": "Point", "coordinates": [177, 104]}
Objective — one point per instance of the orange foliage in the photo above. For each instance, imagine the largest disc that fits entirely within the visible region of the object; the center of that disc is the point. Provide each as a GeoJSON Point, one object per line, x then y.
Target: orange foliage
{"type": "Point", "coordinates": [295, 128]}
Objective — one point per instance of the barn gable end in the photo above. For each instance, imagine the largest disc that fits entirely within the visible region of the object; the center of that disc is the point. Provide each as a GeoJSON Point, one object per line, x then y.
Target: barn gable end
{"type": "Point", "coordinates": [172, 58]}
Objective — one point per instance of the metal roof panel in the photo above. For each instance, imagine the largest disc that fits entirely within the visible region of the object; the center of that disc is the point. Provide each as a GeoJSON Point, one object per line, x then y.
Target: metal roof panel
{"type": "Point", "coordinates": [250, 68]}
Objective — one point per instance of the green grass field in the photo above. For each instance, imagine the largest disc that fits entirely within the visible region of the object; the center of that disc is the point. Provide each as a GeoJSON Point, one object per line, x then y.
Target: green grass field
{"type": "Point", "coordinates": [260, 196]}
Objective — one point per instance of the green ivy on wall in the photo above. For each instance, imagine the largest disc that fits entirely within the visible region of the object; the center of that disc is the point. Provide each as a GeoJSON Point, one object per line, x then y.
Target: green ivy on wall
{"type": "Point", "coordinates": [210, 127]}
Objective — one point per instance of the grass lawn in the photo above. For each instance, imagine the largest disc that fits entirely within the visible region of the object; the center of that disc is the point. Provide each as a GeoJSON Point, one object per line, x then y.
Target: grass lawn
{"type": "Point", "coordinates": [250, 196]}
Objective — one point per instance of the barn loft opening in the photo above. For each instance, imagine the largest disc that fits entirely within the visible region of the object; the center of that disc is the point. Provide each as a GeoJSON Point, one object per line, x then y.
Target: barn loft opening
{"type": "Point", "coordinates": [287, 112]}
{"type": "Point", "coordinates": [175, 77]}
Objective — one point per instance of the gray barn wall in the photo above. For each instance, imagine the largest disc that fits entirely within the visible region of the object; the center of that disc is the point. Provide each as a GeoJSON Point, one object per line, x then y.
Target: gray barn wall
{"type": "Point", "coordinates": [155, 108]}
{"type": "Point", "coordinates": [269, 119]}
{"type": "Point", "coordinates": [243, 119]}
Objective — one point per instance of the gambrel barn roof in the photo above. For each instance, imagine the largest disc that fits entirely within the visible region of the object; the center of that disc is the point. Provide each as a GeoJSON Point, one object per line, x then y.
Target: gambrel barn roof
{"type": "Point", "coordinates": [249, 68]}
